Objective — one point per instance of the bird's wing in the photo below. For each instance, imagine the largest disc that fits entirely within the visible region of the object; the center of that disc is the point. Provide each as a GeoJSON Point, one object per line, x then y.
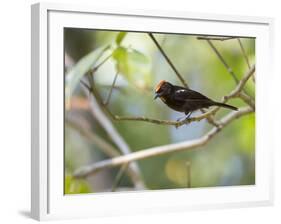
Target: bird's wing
{"type": "Point", "coordinates": [188, 95]}
{"type": "Point", "coordinates": [190, 100]}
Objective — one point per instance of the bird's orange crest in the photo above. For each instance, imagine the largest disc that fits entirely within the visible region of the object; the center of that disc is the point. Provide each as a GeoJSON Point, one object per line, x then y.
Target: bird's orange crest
{"type": "Point", "coordinates": [159, 85]}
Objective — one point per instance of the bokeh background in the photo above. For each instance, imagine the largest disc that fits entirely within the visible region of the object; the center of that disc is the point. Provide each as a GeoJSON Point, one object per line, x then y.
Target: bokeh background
{"type": "Point", "coordinates": [227, 160]}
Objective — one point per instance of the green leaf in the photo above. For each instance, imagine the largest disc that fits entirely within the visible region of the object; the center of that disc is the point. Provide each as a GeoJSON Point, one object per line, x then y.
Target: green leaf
{"type": "Point", "coordinates": [131, 63]}
{"type": "Point", "coordinates": [80, 69]}
{"type": "Point", "coordinates": [120, 55]}
{"type": "Point", "coordinates": [120, 37]}
{"type": "Point", "coordinates": [138, 57]}
{"type": "Point", "coordinates": [74, 186]}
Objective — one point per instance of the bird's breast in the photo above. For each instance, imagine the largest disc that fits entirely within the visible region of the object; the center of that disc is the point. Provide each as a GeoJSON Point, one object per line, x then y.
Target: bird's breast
{"type": "Point", "coordinates": [172, 104]}
{"type": "Point", "coordinates": [163, 99]}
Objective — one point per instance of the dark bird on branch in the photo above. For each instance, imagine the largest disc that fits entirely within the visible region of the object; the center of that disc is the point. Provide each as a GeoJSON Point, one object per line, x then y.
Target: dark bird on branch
{"type": "Point", "coordinates": [183, 99]}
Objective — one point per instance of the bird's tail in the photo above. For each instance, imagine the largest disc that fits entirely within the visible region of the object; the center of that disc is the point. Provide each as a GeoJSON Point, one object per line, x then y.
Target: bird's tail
{"type": "Point", "coordinates": [225, 105]}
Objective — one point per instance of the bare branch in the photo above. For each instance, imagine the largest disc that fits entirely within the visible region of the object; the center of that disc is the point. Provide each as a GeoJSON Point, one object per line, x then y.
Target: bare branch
{"type": "Point", "coordinates": [215, 38]}
{"type": "Point", "coordinates": [188, 175]}
{"type": "Point", "coordinates": [235, 93]}
{"type": "Point", "coordinates": [243, 95]}
{"type": "Point", "coordinates": [162, 122]}
{"type": "Point", "coordinates": [229, 69]}
{"type": "Point", "coordinates": [242, 82]}
{"type": "Point", "coordinates": [142, 118]}
{"type": "Point", "coordinates": [245, 56]}
{"type": "Point", "coordinates": [119, 176]}
{"type": "Point", "coordinates": [110, 91]}
{"type": "Point", "coordinates": [101, 143]}
{"type": "Point", "coordinates": [168, 60]}
{"type": "Point", "coordinates": [92, 137]}
{"type": "Point", "coordinates": [244, 52]}
{"type": "Point", "coordinates": [114, 135]}
{"type": "Point", "coordinates": [160, 150]}
{"type": "Point", "coordinates": [96, 67]}
{"type": "Point", "coordinates": [247, 99]}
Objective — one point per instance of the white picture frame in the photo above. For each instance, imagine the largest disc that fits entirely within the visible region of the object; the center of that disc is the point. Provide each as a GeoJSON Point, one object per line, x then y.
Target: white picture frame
{"type": "Point", "coordinates": [48, 201]}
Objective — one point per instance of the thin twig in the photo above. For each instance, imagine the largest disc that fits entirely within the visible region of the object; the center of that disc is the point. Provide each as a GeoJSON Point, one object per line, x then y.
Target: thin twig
{"type": "Point", "coordinates": [97, 112]}
{"type": "Point", "coordinates": [142, 118]}
{"type": "Point", "coordinates": [110, 91]}
{"type": "Point", "coordinates": [210, 118]}
{"type": "Point", "coordinates": [247, 99]}
{"type": "Point", "coordinates": [235, 93]}
{"type": "Point", "coordinates": [243, 95]}
{"type": "Point", "coordinates": [215, 38]}
{"type": "Point", "coordinates": [160, 150]}
{"type": "Point", "coordinates": [168, 60]}
{"type": "Point", "coordinates": [244, 53]}
{"type": "Point", "coordinates": [242, 82]}
{"type": "Point", "coordinates": [162, 122]}
{"type": "Point", "coordinates": [229, 69]}
{"type": "Point", "coordinates": [245, 56]}
{"type": "Point", "coordinates": [96, 67]}
{"type": "Point", "coordinates": [119, 176]}
{"type": "Point", "coordinates": [104, 146]}
{"type": "Point", "coordinates": [188, 174]}
{"type": "Point", "coordinates": [101, 143]}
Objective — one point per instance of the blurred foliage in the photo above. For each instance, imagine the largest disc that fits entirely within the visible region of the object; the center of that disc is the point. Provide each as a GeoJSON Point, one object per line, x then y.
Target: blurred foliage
{"type": "Point", "coordinates": [74, 186]}
{"type": "Point", "coordinates": [229, 159]}
{"type": "Point", "coordinates": [132, 64]}
{"type": "Point", "coordinates": [80, 69]}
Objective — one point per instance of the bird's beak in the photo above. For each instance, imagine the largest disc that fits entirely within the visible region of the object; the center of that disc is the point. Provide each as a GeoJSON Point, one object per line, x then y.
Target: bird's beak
{"type": "Point", "coordinates": [157, 95]}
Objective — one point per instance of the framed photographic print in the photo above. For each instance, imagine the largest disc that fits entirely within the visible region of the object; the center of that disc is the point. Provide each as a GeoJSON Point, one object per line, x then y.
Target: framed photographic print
{"type": "Point", "coordinates": [143, 112]}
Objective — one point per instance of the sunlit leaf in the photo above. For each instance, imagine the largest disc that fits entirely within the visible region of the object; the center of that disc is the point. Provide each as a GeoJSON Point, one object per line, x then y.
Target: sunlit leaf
{"type": "Point", "coordinates": [131, 63]}
{"type": "Point", "coordinates": [138, 57]}
{"type": "Point", "coordinates": [120, 37]}
{"type": "Point", "coordinates": [79, 70]}
{"type": "Point", "coordinates": [120, 55]}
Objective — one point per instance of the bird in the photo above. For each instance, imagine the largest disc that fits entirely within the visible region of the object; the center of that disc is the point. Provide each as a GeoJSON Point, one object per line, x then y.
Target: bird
{"type": "Point", "coordinates": [185, 100]}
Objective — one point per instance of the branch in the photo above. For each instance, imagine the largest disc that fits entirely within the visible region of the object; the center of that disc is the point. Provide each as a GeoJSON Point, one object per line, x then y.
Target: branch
{"type": "Point", "coordinates": [168, 60]}
{"type": "Point", "coordinates": [229, 69]}
{"type": "Point", "coordinates": [142, 118]}
{"type": "Point", "coordinates": [110, 91]}
{"type": "Point", "coordinates": [105, 147]}
{"type": "Point", "coordinates": [97, 140]}
{"type": "Point", "coordinates": [188, 174]}
{"type": "Point", "coordinates": [215, 38]}
{"type": "Point", "coordinates": [116, 138]}
{"type": "Point", "coordinates": [162, 122]}
{"type": "Point", "coordinates": [102, 62]}
{"type": "Point", "coordinates": [242, 82]}
{"type": "Point", "coordinates": [235, 93]}
{"type": "Point", "coordinates": [244, 53]}
{"type": "Point", "coordinates": [160, 150]}
{"type": "Point", "coordinates": [245, 56]}
{"type": "Point", "coordinates": [245, 97]}
{"type": "Point", "coordinates": [119, 176]}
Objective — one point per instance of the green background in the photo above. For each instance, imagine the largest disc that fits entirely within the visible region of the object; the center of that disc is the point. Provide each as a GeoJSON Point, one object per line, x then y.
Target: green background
{"type": "Point", "coordinates": [227, 160]}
